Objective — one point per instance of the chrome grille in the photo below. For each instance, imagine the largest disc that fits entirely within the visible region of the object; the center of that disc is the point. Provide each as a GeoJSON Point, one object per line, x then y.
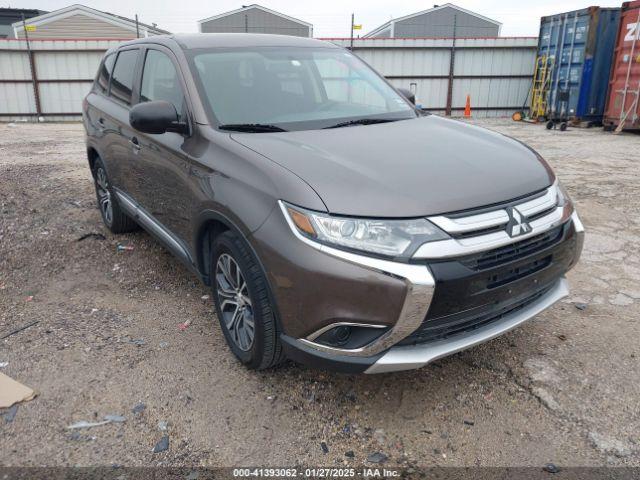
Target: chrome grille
{"type": "Point", "coordinates": [474, 233]}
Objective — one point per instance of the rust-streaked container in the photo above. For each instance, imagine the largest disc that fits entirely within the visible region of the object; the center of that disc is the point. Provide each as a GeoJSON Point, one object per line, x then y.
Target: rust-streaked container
{"type": "Point", "coordinates": [623, 102]}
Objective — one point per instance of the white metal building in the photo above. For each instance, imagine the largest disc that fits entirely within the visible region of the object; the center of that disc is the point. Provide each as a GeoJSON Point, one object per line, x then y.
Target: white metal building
{"type": "Point", "coordinates": [255, 19]}
{"type": "Point", "coordinates": [79, 21]}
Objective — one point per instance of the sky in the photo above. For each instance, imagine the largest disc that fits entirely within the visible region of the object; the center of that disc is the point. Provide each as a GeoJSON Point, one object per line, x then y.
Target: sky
{"type": "Point", "coordinates": [330, 18]}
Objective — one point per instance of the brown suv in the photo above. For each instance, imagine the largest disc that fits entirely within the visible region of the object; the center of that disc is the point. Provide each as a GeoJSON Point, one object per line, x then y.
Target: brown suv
{"type": "Point", "coordinates": [336, 224]}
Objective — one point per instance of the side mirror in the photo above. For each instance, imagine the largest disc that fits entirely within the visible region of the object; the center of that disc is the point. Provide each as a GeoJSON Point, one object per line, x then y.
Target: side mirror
{"type": "Point", "coordinates": [408, 94]}
{"type": "Point", "coordinates": [156, 117]}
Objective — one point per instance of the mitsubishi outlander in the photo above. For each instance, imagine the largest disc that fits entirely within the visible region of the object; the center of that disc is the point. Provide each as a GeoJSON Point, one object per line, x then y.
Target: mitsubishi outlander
{"type": "Point", "coordinates": [336, 224]}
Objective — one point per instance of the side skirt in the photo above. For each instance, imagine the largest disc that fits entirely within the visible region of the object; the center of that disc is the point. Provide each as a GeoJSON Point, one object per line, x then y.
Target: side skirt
{"type": "Point", "coordinates": [156, 229]}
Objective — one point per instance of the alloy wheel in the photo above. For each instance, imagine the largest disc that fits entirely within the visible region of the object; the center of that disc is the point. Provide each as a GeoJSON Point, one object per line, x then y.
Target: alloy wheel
{"type": "Point", "coordinates": [104, 195]}
{"type": "Point", "coordinates": [234, 301]}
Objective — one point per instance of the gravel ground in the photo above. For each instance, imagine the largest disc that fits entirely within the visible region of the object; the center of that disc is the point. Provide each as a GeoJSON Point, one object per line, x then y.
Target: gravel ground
{"type": "Point", "coordinates": [563, 388]}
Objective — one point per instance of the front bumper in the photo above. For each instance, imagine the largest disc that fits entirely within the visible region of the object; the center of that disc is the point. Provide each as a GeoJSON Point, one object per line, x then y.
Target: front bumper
{"type": "Point", "coordinates": [334, 287]}
{"type": "Point", "coordinates": [416, 356]}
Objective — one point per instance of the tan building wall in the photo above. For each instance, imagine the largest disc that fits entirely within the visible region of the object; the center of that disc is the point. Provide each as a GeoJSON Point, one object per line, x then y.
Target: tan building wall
{"type": "Point", "coordinates": [79, 26]}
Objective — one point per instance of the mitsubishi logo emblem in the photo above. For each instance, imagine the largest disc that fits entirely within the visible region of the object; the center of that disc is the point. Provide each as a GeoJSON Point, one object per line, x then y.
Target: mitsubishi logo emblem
{"type": "Point", "coordinates": [517, 224]}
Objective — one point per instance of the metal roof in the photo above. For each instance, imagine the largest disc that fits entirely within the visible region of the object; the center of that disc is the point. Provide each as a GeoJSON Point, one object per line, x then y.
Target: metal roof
{"type": "Point", "coordinates": [124, 22]}
{"type": "Point", "coordinates": [431, 10]}
{"type": "Point", "coordinates": [258, 7]}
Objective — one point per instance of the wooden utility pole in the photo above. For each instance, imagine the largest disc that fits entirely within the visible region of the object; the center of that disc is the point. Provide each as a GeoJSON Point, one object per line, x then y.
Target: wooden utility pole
{"type": "Point", "coordinates": [452, 66]}
{"type": "Point", "coordinates": [32, 67]}
{"type": "Point", "coordinates": [352, 25]}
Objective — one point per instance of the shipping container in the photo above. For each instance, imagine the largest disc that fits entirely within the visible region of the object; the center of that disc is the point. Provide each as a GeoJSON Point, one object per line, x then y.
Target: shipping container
{"type": "Point", "coordinates": [578, 48]}
{"type": "Point", "coordinates": [623, 104]}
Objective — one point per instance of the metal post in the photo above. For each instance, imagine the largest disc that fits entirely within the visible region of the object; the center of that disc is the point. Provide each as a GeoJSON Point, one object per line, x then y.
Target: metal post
{"type": "Point", "coordinates": [246, 23]}
{"type": "Point", "coordinates": [352, 24]}
{"type": "Point", "coordinates": [137, 27]}
{"type": "Point", "coordinates": [452, 65]}
{"type": "Point", "coordinates": [32, 67]}
{"type": "Point", "coordinates": [560, 50]}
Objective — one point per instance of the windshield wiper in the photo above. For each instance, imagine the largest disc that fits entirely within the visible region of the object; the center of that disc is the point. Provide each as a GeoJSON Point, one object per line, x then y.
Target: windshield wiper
{"type": "Point", "coordinates": [363, 121]}
{"type": "Point", "coordinates": [251, 127]}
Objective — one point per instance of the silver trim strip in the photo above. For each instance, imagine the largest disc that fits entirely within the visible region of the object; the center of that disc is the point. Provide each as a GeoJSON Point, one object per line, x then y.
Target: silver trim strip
{"type": "Point", "coordinates": [577, 223]}
{"type": "Point", "coordinates": [456, 247]}
{"type": "Point", "coordinates": [326, 328]}
{"type": "Point", "coordinates": [419, 282]}
{"type": "Point", "coordinates": [495, 218]}
{"type": "Point", "coordinates": [150, 223]}
{"type": "Point", "coordinates": [472, 222]}
{"type": "Point", "coordinates": [410, 357]}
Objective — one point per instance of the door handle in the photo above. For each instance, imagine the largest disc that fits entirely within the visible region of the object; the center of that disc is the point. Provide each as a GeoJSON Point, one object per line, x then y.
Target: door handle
{"type": "Point", "coordinates": [101, 123]}
{"type": "Point", "coordinates": [135, 144]}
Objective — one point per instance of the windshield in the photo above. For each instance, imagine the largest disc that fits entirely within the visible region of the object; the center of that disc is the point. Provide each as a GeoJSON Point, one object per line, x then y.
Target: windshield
{"type": "Point", "coordinates": [294, 88]}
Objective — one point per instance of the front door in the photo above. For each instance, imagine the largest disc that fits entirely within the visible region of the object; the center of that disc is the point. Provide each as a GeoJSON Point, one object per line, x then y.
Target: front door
{"type": "Point", "coordinates": [164, 187]}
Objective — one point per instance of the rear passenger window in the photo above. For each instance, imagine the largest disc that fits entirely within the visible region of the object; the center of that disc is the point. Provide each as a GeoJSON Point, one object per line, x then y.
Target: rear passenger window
{"type": "Point", "coordinates": [105, 72]}
{"type": "Point", "coordinates": [160, 80]}
{"type": "Point", "coordinates": [123, 72]}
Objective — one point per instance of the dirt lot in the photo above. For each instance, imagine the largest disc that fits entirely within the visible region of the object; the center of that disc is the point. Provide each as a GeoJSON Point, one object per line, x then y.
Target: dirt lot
{"type": "Point", "coordinates": [563, 388]}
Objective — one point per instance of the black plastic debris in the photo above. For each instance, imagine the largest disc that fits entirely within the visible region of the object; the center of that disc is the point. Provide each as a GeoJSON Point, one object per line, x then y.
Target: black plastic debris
{"type": "Point", "coordinates": [349, 454]}
{"type": "Point", "coordinates": [471, 423]}
{"type": "Point", "coordinates": [162, 445]}
{"type": "Point", "coordinates": [580, 306]}
{"type": "Point", "coordinates": [551, 468]}
{"type": "Point", "coordinates": [325, 448]}
{"type": "Point", "coordinates": [97, 236]}
{"type": "Point", "coordinates": [377, 457]}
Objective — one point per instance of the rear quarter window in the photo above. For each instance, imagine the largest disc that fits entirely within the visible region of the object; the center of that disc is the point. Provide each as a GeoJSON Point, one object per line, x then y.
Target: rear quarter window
{"type": "Point", "coordinates": [104, 75]}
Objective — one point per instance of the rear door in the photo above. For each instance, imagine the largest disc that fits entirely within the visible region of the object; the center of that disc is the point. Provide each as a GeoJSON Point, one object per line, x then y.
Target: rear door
{"type": "Point", "coordinates": [122, 150]}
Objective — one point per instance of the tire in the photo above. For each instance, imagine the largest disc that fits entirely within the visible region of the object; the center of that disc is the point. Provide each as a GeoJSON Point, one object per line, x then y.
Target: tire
{"type": "Point", "coordinates": [550, 125]}
{"type": "Point", "coordinates": [112, 215]}
{"type": "Point", "coordinates": [563, 126]}
{"type": "Point", "coordinates": [238, 306]}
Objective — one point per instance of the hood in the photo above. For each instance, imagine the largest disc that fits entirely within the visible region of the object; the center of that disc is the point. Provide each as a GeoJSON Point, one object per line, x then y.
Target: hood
{"type": "Point", "coordinates": [410, 168]}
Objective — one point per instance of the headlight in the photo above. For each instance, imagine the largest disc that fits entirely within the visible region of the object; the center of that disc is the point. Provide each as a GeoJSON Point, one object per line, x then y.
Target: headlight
{"type": "Point", "coordinates": [391, 238]}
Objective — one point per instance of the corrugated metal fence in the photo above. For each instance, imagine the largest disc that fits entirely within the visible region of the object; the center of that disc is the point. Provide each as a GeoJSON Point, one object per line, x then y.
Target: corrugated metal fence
{"type": "Point", "coordinates": [496, 72]}
{"type": "Point", "coordinates": [49, 79]}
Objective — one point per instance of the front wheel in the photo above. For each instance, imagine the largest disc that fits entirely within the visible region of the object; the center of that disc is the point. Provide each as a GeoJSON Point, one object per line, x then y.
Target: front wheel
{"type": "Point", "coordinates": [243, 306]}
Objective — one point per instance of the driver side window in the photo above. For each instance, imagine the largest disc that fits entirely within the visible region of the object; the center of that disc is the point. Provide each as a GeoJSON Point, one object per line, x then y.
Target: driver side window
{"type": "Point", "coordinates": [160, 81]}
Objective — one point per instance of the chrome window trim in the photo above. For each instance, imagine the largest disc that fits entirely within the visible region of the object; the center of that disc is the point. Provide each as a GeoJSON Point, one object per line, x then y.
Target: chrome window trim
{"type": "Point", "coordinates": [418, 280]}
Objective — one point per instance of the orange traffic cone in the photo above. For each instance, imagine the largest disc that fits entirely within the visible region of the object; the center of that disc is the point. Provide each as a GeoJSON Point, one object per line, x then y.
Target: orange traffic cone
{"type": "Point", "coordinates": [467, 107]}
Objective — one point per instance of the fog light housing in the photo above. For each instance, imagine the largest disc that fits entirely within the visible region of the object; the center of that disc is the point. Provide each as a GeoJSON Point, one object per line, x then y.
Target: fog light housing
{"type": "Point", "coordinates": [348, 336]}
